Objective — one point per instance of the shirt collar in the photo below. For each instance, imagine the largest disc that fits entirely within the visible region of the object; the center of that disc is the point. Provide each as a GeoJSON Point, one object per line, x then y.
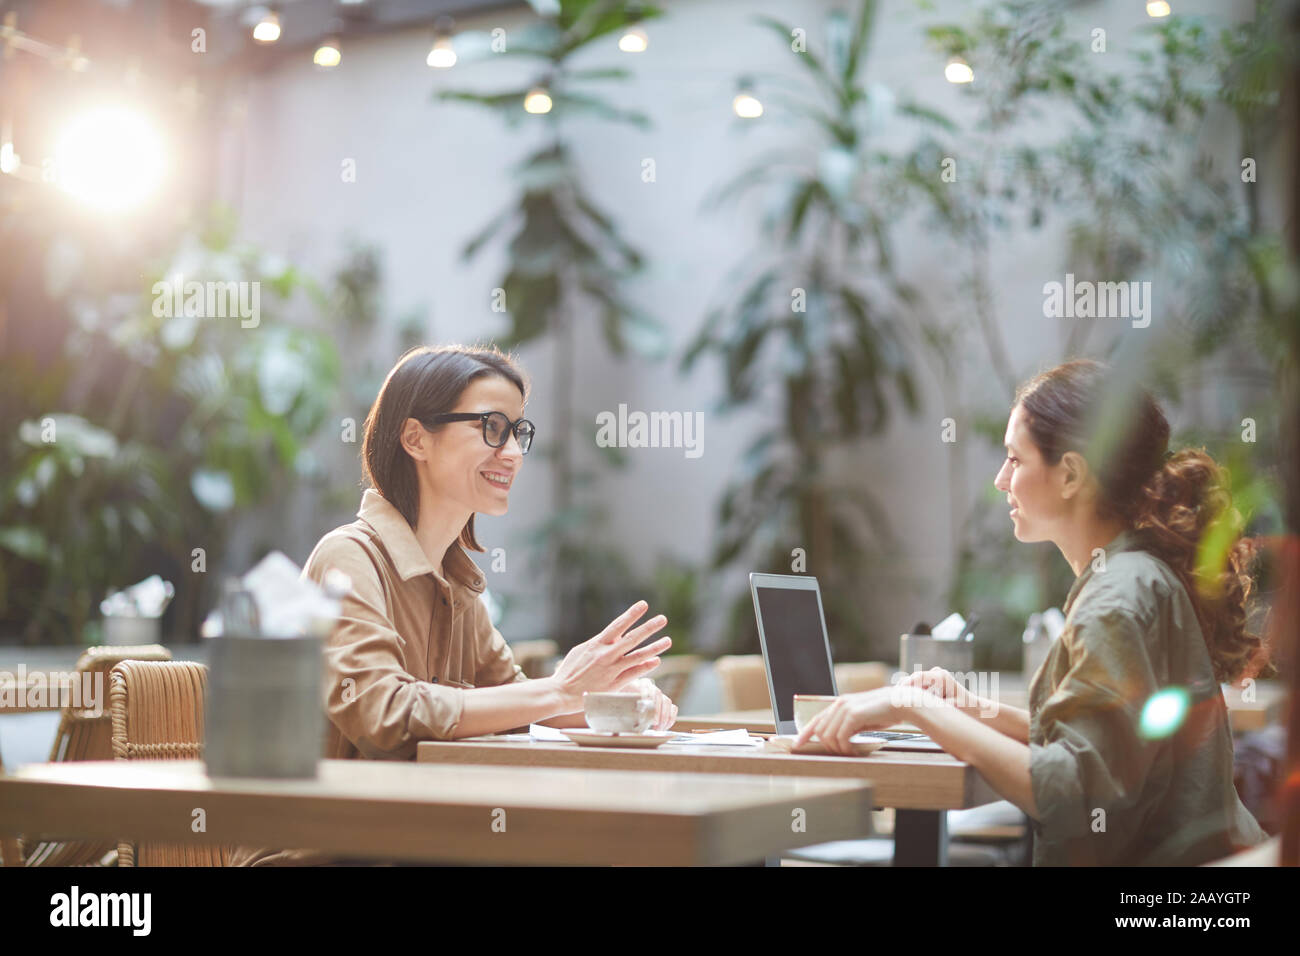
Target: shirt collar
{"type": "Point", "coordinates": [404, 548]}
{"type": "Point", "coordinates": [1124, 541]}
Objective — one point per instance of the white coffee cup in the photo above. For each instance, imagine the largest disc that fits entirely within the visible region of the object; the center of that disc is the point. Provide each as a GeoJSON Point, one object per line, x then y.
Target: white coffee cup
{"type": "Point", "coordinates": [618, 712]}
{"type": "Point", "coordinates": [808, 706]}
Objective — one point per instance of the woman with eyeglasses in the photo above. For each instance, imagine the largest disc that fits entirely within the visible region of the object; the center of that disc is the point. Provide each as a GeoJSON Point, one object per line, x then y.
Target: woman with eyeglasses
{"type": "Point", "coordinates": [414, 655]}
{"type": "Point", "coordinates": [1125, 755]}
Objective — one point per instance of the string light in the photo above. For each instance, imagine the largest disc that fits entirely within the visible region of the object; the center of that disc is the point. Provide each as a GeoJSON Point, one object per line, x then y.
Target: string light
{"type": "Point", "coordinates": [442, 56]}
{"type": "Point", "coordinates": [11, 38]}
{"type": "Point", "coordinates": [958, 71]}
{"type": "Point", "coordinates": [746, 105]}
{"type": "Point", "coordinates": [1157, 9]}
{"type": "Point", "coordinates": [538, 100]}
{"type": "Point", "coordinates": [633, 40]}
{"type": "Point", "coordinates": [268, 28]}
{"type": "Point", "coordinates": [328, 55]}
{"type": "Point", "coordinates": [9, 159]}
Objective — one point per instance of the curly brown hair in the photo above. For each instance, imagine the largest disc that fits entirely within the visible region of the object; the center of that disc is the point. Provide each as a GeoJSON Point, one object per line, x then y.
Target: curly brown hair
{"type": "Point", "coordinates": [1169, 501]}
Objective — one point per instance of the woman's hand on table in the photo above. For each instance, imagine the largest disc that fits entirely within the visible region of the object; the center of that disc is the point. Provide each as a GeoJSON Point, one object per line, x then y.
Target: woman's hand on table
{"type": "Point", "coordinates": [944, 686]}
{"type": "Point", "coordinates": [869, 710]}
{"type": "Point", "coordinates": [608, 662]}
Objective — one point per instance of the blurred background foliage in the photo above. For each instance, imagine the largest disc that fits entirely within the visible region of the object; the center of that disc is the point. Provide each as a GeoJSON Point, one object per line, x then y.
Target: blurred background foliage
{"type": "Point", "coordinates": [136, 443]}
{"type": "Point", "coordinates": [567, 266]}
{"type": "Point", "coordinates": [817, 335]}
{"type": "Point", "coordinates": [167, 426]}
{"type": "Point", "coordinates": [1136, 173]}
{"type": "Point", "coordinates": [1154, 176]}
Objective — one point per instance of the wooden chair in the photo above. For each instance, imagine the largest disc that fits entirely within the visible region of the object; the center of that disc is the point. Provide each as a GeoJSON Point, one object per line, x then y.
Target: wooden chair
{"type": "Point", "coordinates": [535, 658]}
{"type": "Point", "coordinates": [857, 677]}
{"type": "Point", "coordinates": [743, 680]}
{"type": "Point", "coordinates": [86, 734]}
{"type": "Point", "coordinates": [674, 673]}
{"type": "Point", "coordinates": [157, 712]}
{"type": "Point", "coordinates": [10, 854]}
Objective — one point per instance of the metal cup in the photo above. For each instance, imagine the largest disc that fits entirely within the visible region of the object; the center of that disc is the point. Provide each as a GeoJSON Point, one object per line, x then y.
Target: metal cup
{"type": "Point", "coordinates": [920, 652]}
{"type": "Point", "coordinates": [266, 711]}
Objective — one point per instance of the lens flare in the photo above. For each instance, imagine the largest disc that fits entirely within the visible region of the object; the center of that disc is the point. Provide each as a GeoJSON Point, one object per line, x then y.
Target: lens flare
{"type": "Point", "coordinates": [111, 158]}
{"type": "Point", "coordinates": [1163, 713]}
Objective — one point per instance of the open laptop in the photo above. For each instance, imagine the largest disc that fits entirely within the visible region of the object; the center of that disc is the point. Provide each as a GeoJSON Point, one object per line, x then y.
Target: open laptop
{"type": "Point", "coordinates": [797, 651]}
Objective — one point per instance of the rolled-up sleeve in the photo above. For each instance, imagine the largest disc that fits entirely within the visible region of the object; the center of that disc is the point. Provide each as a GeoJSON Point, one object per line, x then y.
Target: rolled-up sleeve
{"type": "Point", "coordinates": [369, 695]}
{"type": "Point", "coordinates": [1091, 755]}
{"type": "Point", "coordinates": [495, 661]}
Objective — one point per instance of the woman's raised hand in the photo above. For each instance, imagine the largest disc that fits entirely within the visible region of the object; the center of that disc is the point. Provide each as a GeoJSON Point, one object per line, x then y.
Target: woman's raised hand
{"type": "Point", "coordinates": [608, 662]}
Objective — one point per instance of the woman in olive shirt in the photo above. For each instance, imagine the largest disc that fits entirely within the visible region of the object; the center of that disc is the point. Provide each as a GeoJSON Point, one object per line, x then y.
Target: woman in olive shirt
{"type": "Point", "coordinates": [1125, 754]}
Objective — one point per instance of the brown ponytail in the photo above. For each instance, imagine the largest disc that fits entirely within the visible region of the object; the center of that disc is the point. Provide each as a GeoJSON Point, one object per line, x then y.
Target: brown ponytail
{"type": "Point", "coordinates": [1182, 501]}
{"type": "Point", "coordinates": [1169, 501]}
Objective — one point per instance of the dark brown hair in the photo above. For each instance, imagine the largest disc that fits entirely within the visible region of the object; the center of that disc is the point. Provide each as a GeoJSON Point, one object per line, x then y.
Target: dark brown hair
{"type": "Point", "coordinates": [426, 381]}
{"type": "Point", "coordinates": [1168, 500]}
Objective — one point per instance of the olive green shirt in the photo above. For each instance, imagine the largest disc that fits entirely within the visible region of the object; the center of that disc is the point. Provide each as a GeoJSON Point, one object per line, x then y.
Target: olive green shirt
{"type": "Point", "coordinates": [1110, 789]}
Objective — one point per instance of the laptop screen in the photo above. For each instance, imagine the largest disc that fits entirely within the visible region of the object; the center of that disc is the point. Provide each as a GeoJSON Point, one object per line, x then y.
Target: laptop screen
{"type": "Point", "coordinates": [796, 645]}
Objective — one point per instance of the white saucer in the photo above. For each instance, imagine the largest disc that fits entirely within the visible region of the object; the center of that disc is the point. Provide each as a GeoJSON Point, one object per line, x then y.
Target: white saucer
{"type": "Point", "coordinates": [608, 738]}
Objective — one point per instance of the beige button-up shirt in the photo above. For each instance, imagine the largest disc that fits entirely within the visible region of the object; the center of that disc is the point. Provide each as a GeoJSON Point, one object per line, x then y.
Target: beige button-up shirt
{"type": "Point", "coordinates": [411, 639]}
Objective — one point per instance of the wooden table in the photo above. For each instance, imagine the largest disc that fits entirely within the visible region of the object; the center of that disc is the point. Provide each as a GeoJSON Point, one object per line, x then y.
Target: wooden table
{"type": "Point", "coordinates": [1245, 715]}
{"type": "Point", "coordinates": [755, 721]}
{"type": "Point", "coordinates": [403, 810]}
{"type": "Point", "coordinates": [921, 787]}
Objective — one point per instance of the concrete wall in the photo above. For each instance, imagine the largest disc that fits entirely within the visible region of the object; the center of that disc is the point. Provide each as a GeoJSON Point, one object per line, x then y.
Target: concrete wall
{"type": "Point", "coordinates": [430, 174]}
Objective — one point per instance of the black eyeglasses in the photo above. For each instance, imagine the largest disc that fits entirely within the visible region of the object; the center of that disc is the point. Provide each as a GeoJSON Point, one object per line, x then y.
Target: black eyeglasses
{"type": "Point", "coordinates": [496, 427]}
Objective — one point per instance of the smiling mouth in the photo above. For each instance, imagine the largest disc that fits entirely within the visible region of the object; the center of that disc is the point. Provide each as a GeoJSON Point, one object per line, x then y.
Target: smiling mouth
{"type": "Point", "coordinates": [497, 478]}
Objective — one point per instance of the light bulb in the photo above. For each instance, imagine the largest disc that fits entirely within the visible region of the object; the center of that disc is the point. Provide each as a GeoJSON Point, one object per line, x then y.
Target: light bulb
{"type": "Point", "coordinates": [1157, 9]}
{"type": "Point", "coordinates": [537, 101]}
{"type": "Point", "coordinates": [9, 160]}
{"type": "Point", "coordinates": [633, 40]}
{"type": "Point", "coordinates": [442, 56]}
{"type": "Point", "coordinates": [327, 54]}
{"type": "Point", "coordinates": [958, 71]}
{"type": "Point", "coordinates": [267, 29]}
{"type": "Point", "coordinates": [747, 105]}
